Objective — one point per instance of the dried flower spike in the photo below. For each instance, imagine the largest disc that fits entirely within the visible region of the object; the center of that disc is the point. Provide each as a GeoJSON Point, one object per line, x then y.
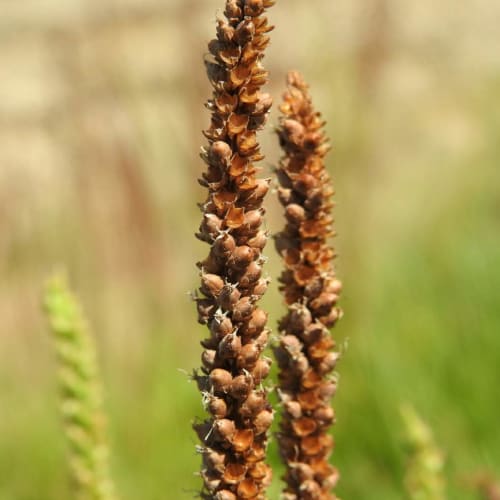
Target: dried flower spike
{"type": "Point", "coordinates": [81, 394]}
{"type": "Point", "coordinates": [234, 438]}
{"type": "Point", "coordinates": [311, 290]}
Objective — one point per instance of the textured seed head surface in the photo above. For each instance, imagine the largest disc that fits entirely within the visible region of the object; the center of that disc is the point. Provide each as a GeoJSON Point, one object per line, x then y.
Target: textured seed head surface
{"type": "Point", "coordinates": [234, 437]}
{"type": "Point", "coordinates": [311, 291]}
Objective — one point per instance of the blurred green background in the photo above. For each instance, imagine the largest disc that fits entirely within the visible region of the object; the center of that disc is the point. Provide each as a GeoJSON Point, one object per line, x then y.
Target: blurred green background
{"type": "Point", "coordinates": [101, 108]}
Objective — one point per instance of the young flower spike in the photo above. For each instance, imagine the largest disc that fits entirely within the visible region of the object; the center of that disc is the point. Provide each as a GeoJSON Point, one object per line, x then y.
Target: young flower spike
{"type": "Point", "coordinates": [81, 405]}
{"type": "Point", "coordinates": [234, 437]}
{"type": "Point", "coordinates": [311, 290]}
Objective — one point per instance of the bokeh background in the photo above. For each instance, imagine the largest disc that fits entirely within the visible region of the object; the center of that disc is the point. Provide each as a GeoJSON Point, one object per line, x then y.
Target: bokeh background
{"type": "Point", "coordinates": [101, 108]}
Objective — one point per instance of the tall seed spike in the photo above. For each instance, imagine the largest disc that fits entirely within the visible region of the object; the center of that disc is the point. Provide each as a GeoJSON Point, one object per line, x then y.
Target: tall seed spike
{"type": "Point", "coordinates": [232, 226]}
{"type": "Point", "coordinates": [311, 291]}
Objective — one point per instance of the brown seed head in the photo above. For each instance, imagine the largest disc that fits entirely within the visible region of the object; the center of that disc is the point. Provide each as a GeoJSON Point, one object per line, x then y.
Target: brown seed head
{"type": "Point", "coordinates": [231, 274]}
{"type": "Point", "coordinates": [311, 292]}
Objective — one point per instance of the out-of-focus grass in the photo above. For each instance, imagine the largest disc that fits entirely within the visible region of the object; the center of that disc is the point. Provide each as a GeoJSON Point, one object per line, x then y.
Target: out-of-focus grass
{"type": "Point", "coordinates": [416, 168]}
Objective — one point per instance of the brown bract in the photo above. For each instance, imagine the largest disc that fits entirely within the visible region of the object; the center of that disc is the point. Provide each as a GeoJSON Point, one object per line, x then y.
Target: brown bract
{"type": "Point", "coordinates": [234, 437]}
{"type": "Point", "coordinates": [311, 291]}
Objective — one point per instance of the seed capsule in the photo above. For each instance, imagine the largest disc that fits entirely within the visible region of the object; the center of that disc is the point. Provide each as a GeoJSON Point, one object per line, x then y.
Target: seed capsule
{"type": "Point", "coordinates": [314, 332]}
{"type": "Point", "coordinates": [234, 218]}
{"type": "Point", "coordinates": [310, 379]}
{"type": "Point", "coordinates": [211, 284]}
{"type": "Point", "coordinates": [217, 407]}
{"type": "Point", "coordinates": [304, 426]}
{"type": "Point", "coordinates": [244, 32]}
{"type": "Point", "coordinates": [242, 440]}
{"type": "Point", "coordinates": [327, 389]}
{"type": "Point", "coordinates": [333, 286]}
{"type": "Point", "coordinates": [302, 472]}
{"type": "Point", "coordinates": [295, 213]}
{"type": "Point", "coordinates": [232, 9]}
{"type": "Point", "coordinates": [224, 429]}
{"type": "Point", "coordinates": [291, 344]}
{"type": "Point", "coordinates": [310, 489]}
{"type": "Point", "coordinates": [205, 307]}
{"type": "Point", "coordinates": [255, 197]}
{"type": "Point", "coordinates": [262, 339]}
{"type": "Point", "coordinates": [262, 422]}
{"type": "Point", "coordinates": [322, 304]}
{"type": "Point", "coordinates": [210, 265]}
{"type": "Point", "coordinates": [261, 370]}
{"type": "Point", "coordinates": [300, 318]}
{"type": "Point", "coordinates": [203, 430]}
{"type": "Point", "coordinates": [324, 415]}
{"type": "Point", "coordinates": [253, 219]}
{"type": "Point", "coordinates": [220, 379]}
{"type": "Point", "coordinates": [248, 355]}
{"type": "Point", "coordinates": [301, 363]}
{"type": "Point", "coordinates": [311, 445]}
{"type": "Point", "coordinates": [254, 403]}
{"type": "Point", "coordinates": [219, 153]}
{"type": "Point", "coordinates": [309, 400]}
{"type": "Point", "coordinates": [327, 363]}
{"type": "Point", "coordinates": [241, 386]}
{"type": "Point", "coordinates": [253, 8]}
{"type": "Point", "coordinates": [212, 482]}
{"type": "Point", "coordinates": [251, 275]}
{"type": "Point", "coordinates": [242, 256]}
{"type": "Point", "coordinates": [208, 358]}
{"type": "Point", "coordinates": [224, 245]}
{"type": "Point", "coordinates": [256, 323]}
{"type": "Point", "coordinates": [258, 241]}
{"type": "Point", "coordinates": [225, 32]}
{"type": "Point", "coordinates": [228, 297]}
{"type": "Point", "coordinates": [230, 346]}
{"type": "Point", "coordinates": [224, 495]}
{"type": "Point", "coordinates": [305, 183]}
{"type": "Point", "coordinates": [242, 309]}
{"type": "Point", "coordinates": [237, 124]}
{"type": "Point", "coordinates": [210, 227]}
{"type": "Point", "coordinates": [214, 460]}
{"type": "Point", "coordinates": [260, 288]}
{"type": "Point", "coordinates": [259, 471]}
{"type": "Point", "coordinates": [256, 453]}
{"type": "Point", "coordinates": [234, 473]}
{"type": "Point", "coordinates": [293, 408]}
{"type": "Point", "coordinates": [247, 489]}
{"type": "Point", "coordinates": [331, 318]}
{"type": "Point", "coordinates": [220, 327]}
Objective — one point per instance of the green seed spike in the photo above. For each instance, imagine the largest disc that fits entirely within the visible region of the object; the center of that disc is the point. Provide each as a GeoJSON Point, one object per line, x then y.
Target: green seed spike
{"type": "Point", "coordinates": [81, 399]}
{"type": "Point", "coordinates": [424, 478]}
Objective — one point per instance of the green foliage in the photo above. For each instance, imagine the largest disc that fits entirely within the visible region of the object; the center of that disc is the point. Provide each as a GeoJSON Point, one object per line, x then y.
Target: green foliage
{"type": "Point", "coordinates": [80, 388]}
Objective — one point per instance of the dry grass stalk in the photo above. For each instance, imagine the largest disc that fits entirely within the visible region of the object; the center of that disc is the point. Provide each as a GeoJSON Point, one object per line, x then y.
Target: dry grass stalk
{"type": "Point", "coordinates": [311, 291]}
{"type": "Point", "coordinates": [234, 438]}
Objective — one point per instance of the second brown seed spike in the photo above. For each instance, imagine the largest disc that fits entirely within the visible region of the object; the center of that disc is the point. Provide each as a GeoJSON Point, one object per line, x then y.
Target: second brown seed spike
{"type": "Point", "coordinates": [310, 289]}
